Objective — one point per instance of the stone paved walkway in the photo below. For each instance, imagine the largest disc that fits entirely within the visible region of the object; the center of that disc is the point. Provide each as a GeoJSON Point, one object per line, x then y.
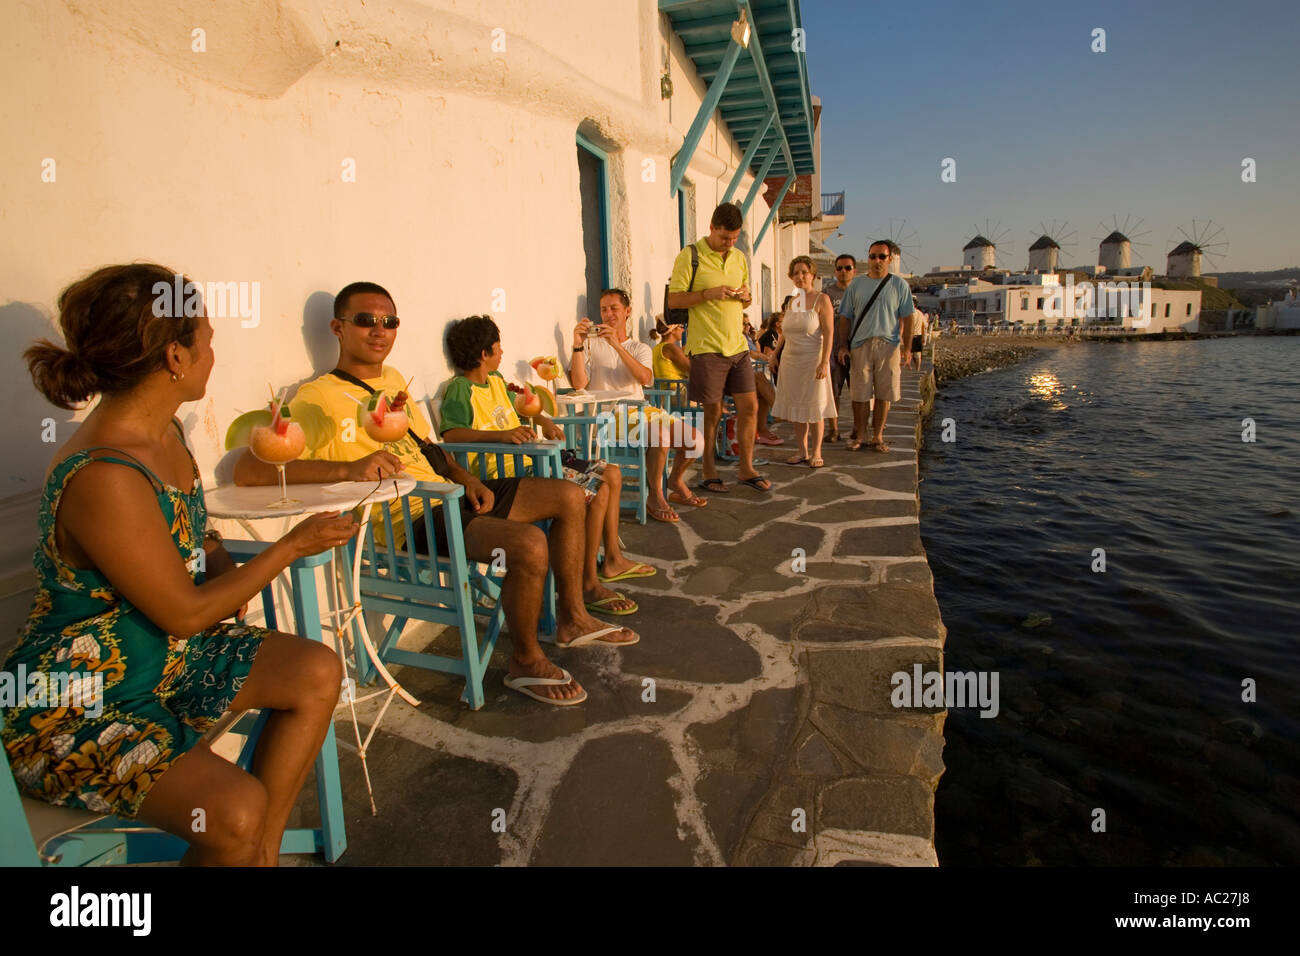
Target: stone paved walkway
{"type": "Point", "coordinates": [751, 725]}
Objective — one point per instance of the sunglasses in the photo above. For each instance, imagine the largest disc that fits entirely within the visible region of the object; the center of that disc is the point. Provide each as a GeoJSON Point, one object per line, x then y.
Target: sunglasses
{"type": "Point", "coordinates": [882, 258]}
{"type": "Point", "coordinates": [367, 320]}
{"type": "Point", "coordinates": [844, 268]}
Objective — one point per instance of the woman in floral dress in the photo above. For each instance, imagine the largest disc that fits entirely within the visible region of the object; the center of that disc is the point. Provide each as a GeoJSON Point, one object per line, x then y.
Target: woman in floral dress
{"type": "Point", "coordinates": [131, 593]}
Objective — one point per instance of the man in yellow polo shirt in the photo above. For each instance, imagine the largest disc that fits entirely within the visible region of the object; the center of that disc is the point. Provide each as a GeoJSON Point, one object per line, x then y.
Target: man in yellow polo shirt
{"type": "Point", "coordinates": [716, 296]}
{"type": "Point", "coordinates": [496, 514]}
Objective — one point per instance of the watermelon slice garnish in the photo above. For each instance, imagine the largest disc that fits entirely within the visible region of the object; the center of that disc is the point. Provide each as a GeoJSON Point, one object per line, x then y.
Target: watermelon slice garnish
{"type": "Point", "coordinates": [318, 428]}
{"type": "Point", "coordinates": [377, 407]}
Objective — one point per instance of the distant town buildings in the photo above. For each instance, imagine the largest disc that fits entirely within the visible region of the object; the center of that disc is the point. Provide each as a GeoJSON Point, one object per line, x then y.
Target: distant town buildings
{"type": "Point", "coordinates": [1111, 294]}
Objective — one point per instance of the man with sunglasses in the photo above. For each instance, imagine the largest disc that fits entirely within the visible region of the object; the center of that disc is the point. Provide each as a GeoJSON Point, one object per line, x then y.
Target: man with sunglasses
{"type": "Point", "coordinates": [846, 268]}
{"type": "Point", "coordinates": [878, 311]}
{"type": "Point", "coordinates": [499, 513]}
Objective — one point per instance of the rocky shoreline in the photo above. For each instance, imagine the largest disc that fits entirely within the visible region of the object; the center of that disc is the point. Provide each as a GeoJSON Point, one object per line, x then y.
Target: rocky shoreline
{"type": "Point", "coordinates": [961, 357]}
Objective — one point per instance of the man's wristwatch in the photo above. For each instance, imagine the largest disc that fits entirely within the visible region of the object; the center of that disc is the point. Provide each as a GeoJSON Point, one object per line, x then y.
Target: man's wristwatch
{"type": "Point", "coordinates": [580, 348]}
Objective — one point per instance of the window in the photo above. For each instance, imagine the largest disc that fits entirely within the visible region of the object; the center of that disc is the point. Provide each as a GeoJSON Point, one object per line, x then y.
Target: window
{"type": "Point", "coordinates": [1024, 303]}
{"type": "Point", "coordinates": [1166, 310]}
{"type": "Point", "coordinates": [1189, 308]}
{"type": "Point", "coordinates": [1040, 303]}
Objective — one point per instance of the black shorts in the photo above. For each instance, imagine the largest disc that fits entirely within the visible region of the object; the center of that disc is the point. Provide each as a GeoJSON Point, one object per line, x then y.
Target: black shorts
{"type": "Point", "coordinates": [503, 495]}
{"type": "Point", "coordinates": [918, 343]}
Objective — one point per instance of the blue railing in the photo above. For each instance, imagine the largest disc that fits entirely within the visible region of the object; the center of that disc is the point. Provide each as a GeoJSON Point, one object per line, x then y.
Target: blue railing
{"type": "Point", "coordinates": [832, 204]}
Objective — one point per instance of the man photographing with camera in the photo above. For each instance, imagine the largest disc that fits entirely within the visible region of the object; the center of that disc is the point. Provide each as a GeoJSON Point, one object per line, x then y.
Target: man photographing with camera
{"type": "Point", "coordinates": [607, 358]}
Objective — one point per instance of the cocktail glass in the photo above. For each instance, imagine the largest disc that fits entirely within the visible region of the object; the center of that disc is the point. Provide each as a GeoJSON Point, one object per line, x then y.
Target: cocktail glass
{"type": "Point", "coordinates": [391, 429]}
{"type": "Point", "coordinates": [278, 449]}
{"type": "Point", "coordinates": [529, 406]}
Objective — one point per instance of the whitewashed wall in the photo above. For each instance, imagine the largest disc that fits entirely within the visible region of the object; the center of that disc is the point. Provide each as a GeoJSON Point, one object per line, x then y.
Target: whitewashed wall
{"type": "Point", "coordinates": [228, 164]}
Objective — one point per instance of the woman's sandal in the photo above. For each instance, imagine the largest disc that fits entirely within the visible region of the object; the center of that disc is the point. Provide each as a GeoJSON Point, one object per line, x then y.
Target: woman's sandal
{"type": "Point", "coordinates": [796, 461]}
{"type": "Point", "coordinates": [666, 515]}
{"type": "Point", "coordinates": [695, 501]}
{"type": "Point", "coordinates": [816, 463]}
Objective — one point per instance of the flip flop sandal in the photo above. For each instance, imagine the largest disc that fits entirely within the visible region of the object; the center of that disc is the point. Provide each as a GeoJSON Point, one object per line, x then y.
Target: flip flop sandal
{"type": "Point", "coordinates": [695, 501]}
{"type": "Point", "coordinates": [816, 463]}
{"type": "Point", "coordinates": [854, 445]}
{"type": "Point", "coordinates": [639, 570]}
{"type": "Point", "coordinates": [754, 482]}
{"type": "Point", "coordinates": [796, 461]}
{"type": "Point", "coordinates": [595, 638]}
{"type": "Point", "coordinates": [765, 440]}
{"type": "Point", "coordinates": [603, 607]}
{"type": "Point", "coordinates": [521, 684]}
{"type": "Point", "coordinates": [879, 446]}
{"type": "Point", "coordinates": [667, 515]}
{"type": "Point", "coordinates": [714, 485]}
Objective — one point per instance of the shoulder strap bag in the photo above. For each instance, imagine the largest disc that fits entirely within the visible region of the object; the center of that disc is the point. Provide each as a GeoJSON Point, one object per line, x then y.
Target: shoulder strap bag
{"type": "Point", "coordinates": [435, 456]}
{"type": "Point", "coordinates": [870, 302]}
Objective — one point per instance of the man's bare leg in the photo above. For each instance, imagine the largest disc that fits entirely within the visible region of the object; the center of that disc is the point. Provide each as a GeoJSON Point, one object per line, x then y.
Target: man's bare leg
{"type": "Point", "coordinates": [562, 502]}
{"type": "Point", "coordinates": [597, 516]}
{"type": "Point", "coordinates": [525, 548]}
{"type": "Point", "coordinates": [746, 419]}
{"type": "Point", "coordinates": [616, 561]}
{"type": "Point", "coordinates": [712, 416]}
{"type": "Point", "coordinates": [879, 412]}
{"type": "Point", "coordinates": [860, 414]}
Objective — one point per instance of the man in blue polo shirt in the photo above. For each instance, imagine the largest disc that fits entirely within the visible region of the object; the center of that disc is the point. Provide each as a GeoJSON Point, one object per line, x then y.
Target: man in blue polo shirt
{"type": "Point", "coordinates": [877, 341]}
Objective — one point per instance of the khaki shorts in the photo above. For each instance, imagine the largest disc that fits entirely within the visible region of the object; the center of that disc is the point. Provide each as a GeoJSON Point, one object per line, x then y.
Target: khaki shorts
{"type": "Point", "coordinates": [875, 372]}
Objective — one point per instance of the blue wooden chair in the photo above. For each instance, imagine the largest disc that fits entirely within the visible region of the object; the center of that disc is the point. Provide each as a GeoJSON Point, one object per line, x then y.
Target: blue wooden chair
{"type": "Point", "coordinates": [444, 588]}
{"type": "Point", "coordinates": [36, 833]}
{"type": "Point", "coordinates": [603, 441]}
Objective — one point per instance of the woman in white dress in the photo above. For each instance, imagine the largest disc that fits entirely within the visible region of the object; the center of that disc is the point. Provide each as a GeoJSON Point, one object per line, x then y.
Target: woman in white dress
{"type": "Point", "coordinates": [803, 390]}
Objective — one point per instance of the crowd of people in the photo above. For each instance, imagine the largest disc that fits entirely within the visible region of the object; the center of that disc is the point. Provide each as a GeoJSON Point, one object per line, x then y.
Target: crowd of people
{"type": "Point", "coordinates": [121, 593]}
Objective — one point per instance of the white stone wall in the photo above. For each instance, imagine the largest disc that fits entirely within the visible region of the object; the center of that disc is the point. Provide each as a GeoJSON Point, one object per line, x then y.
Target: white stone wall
{"type": "Point", "coordinates": [228, 164]}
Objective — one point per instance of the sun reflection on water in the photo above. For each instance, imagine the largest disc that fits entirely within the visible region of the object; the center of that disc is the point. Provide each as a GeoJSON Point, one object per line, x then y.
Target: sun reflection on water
{"type": "Point", "coordinates": [1048, 388]}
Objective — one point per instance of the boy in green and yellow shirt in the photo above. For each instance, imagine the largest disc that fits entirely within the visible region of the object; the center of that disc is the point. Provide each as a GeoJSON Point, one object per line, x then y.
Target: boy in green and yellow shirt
{"type": "Point", "coordinates": [477, 407]}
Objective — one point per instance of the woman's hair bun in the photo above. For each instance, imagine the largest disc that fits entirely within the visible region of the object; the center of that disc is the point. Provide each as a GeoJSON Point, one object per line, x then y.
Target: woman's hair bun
{"type": "Point", "coordinates": [61, 376]}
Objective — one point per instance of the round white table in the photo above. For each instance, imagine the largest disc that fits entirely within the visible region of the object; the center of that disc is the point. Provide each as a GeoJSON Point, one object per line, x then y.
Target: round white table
{"type": "Point", "coordinates": [245, 504]}
{"type": "Point", "coordinates": [248, 504]}
{"type": "Point", "coordinates": [582, 399]}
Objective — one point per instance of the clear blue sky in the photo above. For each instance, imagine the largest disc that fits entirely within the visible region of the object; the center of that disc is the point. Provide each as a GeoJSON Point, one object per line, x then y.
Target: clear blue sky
{"type": "Point", "coordinates": [1043, 129]}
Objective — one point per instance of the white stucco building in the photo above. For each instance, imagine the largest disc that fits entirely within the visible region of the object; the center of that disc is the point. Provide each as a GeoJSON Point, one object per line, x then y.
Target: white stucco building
{"type": "Point", "coordinates": [474, 157]}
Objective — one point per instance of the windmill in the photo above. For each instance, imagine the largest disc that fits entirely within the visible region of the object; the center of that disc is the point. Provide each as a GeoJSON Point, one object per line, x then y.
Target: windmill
{"type": "Point", "coordinates": [1115, 244]}
{"type": "Point", "coordinates": [981, 250]}
{"type": "Point", "coordinates": [1046, 245]}
{"type": "Point", "coordinates": [1196, 240]}
{"type": "Point", "coordinates": [906, 242]}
